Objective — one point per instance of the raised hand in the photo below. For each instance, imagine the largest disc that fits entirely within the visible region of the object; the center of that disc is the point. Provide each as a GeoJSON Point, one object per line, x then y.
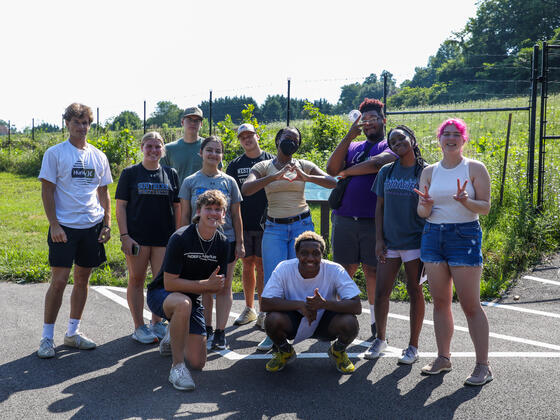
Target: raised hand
{"type": "Point", "coordinates": [315, 302]}
{"type": "Point", "coordinates": [462, 195]}
{"type": "Point", "coordinates": [424, 197]}
{"type": "Point", "coordinates": [355, 129]}
{"type": "Point", "coordinates": [300, 175]}
{"type": "Point", "coordinates": [216, 281]}
{"type": "Point", "coordinates": [280, 174]}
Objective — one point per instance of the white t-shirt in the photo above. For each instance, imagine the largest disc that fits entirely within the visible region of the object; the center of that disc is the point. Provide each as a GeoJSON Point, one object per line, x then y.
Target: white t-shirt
{"type": "Point", "coordinates": [287, 283]}
{"type": "Point", "coordinates": [77, 174]}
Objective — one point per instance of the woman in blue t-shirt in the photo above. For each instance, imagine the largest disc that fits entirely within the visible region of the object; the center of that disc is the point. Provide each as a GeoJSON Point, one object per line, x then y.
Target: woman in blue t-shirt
{"type": "Point", "coordinates": [147, 213]}
{"type": "Point", "coordinates": [398, 236]}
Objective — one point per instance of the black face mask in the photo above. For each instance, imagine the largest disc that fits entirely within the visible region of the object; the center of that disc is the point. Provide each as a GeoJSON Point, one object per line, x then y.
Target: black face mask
{"type": "Point", "coordinates": [289, 146]}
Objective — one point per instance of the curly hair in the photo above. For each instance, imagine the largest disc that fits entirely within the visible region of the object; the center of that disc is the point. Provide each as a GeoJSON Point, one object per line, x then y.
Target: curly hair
{"type": "Point", "coordinates": [372, 105]}
{"type": "Point", "coordinates": [209, 198]}
{"type": "Point", "coordinates": [310, 236]}
{"type": "Point", "coordinates": [77, 110]}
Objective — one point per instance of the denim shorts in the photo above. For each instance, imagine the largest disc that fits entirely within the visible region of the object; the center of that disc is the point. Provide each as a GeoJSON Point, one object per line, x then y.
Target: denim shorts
{"type": "Point", "coordinates": [457, 244]}
{"type": "Point", "coordinates": [155, 299]}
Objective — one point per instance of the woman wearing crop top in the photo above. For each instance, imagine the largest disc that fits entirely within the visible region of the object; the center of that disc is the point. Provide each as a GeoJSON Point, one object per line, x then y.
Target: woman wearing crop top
{"type": "Point", "coordinates": [452, 193]}
{"type": "Point", "coordinates": [288, 215]}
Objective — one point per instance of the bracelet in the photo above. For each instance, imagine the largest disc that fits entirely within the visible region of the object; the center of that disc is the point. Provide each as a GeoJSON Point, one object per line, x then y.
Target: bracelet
{"type": "Point", "coordinates": [107, 227]}
{"type": "Point", "coordinates": [124, 234]}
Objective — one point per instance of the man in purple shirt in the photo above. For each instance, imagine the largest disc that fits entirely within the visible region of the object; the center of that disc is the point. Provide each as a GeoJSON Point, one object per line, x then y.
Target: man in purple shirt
{"type": "Point", "coordinates": [353, 232]}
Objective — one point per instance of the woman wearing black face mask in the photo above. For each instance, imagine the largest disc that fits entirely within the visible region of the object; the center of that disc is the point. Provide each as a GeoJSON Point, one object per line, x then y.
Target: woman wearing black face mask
{"type": "Point", "coordinates": [283, 179]}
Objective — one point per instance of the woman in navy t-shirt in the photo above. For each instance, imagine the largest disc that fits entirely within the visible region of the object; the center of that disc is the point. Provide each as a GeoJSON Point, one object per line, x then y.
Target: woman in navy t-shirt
{"type": "Point", "coordinates": [147, 213]}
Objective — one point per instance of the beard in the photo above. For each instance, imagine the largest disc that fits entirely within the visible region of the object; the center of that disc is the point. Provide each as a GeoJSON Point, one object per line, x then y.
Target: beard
{"type": "Point", "coordinates": [376, 136]}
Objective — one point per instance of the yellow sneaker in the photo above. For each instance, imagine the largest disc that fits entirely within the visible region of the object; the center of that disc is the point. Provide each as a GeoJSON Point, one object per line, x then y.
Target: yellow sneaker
{"type": "Point", "coordinates": [280, 359]}
{"type": "Point", "coordinates": [342, 361]}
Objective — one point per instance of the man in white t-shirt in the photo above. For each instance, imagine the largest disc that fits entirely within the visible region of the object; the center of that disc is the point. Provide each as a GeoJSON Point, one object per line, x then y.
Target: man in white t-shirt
{"type": "Point", "coordinates": [309, 297]}
{"type": "Point", "coordinates": [74, 177]}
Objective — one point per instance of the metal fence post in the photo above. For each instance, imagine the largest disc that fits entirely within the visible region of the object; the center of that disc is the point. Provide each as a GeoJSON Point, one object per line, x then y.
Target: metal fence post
{"type": "Point", "coordinates": [542, 132]}
{"type": "Point", "coordinates": [210, 116]}
{"type": "Point", "coordinates": [97, 127]}
{"type": "Point", "coordinates": [385, 91]}
{"type": "Point", "coordinates": [144, 117]}
{"type": "Point", "coordinates": [532, 122]}
{"type": "Point", "coordinates": [288, 106]}
{"type": "Point", "coordinates": [33, 129]}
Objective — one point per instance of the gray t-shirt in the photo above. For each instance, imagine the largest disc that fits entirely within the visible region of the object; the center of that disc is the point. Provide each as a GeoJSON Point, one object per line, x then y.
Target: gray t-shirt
{"type": "Point", "coordinates": [402, 227]}
{"type": "Point", "coordinates": [197, 183]}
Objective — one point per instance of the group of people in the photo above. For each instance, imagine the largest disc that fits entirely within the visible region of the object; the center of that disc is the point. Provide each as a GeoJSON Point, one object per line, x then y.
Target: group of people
{"type": "Point", "coordinates": [180, 213]}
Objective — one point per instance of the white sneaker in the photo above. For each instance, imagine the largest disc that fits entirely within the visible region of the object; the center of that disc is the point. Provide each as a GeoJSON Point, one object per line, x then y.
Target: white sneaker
{"type": "Point", "coordinates": [260, 320]}
{"type": "Point", "coordinates": [376, 349]}
{"type": "Point", "coordinates": [248, 315]}
{"type": "Point", "coordinates": [409, 355]}
{"type": "Point", "coordinates": [181, 378]}
{"type": "Point", "coordinates": [165, 345]}
{"type": "Point", "coordinates": [46, 348]}
{"type": "Point", "coordinates": [144, 335]}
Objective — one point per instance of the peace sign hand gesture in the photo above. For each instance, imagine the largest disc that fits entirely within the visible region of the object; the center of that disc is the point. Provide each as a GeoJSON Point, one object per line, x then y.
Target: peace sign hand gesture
{"type": "Point", "coordinates": [462, 194]}
{"type": "Point", "coordinates": [424, 197]}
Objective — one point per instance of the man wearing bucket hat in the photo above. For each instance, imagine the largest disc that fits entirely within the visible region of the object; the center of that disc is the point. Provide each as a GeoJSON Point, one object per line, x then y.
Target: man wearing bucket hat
{"type": "Point", "coordinates": [184, 154]}
{"type": "Point", "coordinates": [252, 210]}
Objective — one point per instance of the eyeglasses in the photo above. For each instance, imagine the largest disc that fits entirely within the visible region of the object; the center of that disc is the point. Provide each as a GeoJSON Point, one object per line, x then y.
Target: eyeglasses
{"type": "Point", "coordinates": [372, 120]}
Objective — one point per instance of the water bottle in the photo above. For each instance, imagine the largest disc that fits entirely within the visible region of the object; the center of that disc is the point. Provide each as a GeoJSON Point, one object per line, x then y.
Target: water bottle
{"type": "Point", "coordinates": [354, 115]}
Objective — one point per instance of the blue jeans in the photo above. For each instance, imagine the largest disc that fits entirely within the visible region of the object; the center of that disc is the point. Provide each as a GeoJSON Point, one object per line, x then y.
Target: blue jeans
{"type": "Point", "coordinates": [278, 243]}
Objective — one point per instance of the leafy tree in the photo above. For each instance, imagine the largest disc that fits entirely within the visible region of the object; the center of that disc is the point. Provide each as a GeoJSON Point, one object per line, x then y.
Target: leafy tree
{"type": "Point", "coordinates": [166, 113]}
{"type": "Point", "coordinates": [126, 119]}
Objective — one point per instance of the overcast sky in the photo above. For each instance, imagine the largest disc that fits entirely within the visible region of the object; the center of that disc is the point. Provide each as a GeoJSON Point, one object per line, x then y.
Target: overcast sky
{"type": "Point", "coordinates": [116, 54]}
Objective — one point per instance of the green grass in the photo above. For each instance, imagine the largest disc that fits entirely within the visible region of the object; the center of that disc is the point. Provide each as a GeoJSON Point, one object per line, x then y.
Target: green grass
{"type": "Point", "coordinates": [23, 237]}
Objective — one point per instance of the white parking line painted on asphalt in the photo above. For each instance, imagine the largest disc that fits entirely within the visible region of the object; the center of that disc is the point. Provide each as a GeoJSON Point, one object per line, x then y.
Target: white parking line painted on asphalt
{"type": "Point", "coordinates": [556, 283]}
{"type": "Point", "coordinates": [495, 335]}
{"type": "Point", "coordinates": [234, 356]}
{"type": "Point", "coordinates": [520, 309]}
{"type": "Point", "coordinates": [105, 291]}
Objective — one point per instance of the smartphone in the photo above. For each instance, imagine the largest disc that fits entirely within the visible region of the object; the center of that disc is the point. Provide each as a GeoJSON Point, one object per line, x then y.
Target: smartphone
{"type": "Point", "coordinates": [135, 249]}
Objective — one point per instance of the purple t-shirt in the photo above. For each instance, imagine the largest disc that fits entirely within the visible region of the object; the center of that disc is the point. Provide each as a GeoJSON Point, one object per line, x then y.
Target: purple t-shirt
{"type": "Point", "coordinates": [358, 199]}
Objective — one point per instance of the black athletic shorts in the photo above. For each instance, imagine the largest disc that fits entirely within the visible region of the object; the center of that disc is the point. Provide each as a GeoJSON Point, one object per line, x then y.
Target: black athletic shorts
{"type": "Point", "coordinates": [81, 247]}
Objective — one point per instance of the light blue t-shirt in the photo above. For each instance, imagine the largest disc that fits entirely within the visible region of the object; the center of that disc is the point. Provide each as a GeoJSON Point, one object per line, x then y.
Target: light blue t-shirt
{"type": "Point", "coordinates": [197, 183]}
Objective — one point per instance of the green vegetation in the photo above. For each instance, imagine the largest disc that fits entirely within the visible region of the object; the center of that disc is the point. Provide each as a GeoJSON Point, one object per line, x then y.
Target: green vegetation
{"type": "Point", "coordinates": [515, 236]}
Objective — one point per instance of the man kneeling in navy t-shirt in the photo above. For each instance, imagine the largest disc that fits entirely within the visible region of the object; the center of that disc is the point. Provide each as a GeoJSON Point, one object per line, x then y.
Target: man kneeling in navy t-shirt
{"type": "Point", "coordinates": [307, 287]}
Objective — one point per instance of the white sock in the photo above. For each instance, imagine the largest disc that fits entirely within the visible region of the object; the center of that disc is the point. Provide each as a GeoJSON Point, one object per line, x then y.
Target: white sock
{"type": "Point", "coordinates": [372, 313]}
{"type": "Point", "coordinates": [73, 326]}
{"type": "Point", "coordinates": [48, 331]}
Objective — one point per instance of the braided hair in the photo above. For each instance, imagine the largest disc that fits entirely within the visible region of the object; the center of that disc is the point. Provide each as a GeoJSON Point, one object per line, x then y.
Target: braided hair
{"type": "Point", "coordinates": [420, 162]}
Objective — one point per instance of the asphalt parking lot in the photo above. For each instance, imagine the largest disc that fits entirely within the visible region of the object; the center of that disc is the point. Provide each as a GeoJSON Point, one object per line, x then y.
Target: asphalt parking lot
{"type": "Point", "coordinates": [124, 379]}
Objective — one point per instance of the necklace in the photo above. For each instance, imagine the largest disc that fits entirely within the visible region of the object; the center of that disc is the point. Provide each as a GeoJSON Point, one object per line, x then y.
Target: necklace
{"type": "Point", "coordinates": [200, 240]}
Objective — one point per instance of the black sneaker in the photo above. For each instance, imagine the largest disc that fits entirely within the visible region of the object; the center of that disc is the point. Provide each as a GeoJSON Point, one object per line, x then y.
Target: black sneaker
{"type": "Point", "coordinates": [373, 330]}
{"type": "Point", "coordinates": [219, 340]}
